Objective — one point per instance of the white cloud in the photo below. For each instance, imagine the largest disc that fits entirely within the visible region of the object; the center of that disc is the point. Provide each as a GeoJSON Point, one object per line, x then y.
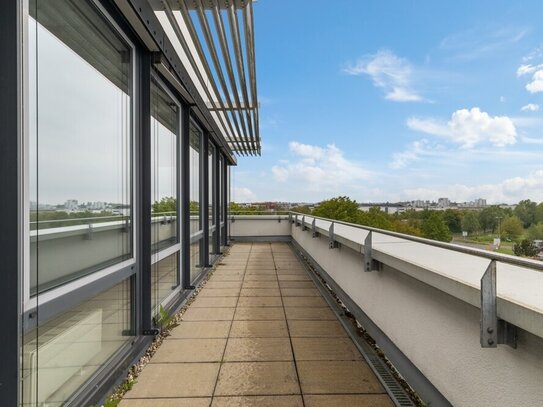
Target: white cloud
{"type": "Point", "coordinates": [503, 99]}
{"type": "Point", "coordinates": [411, 153]}
{"type": "Point", "coordinates": [389, 72]}
{"type": "Point", "coordinates": [510, 190]}
{"type": "Point", "coordinates": [530, 107]}
{"type": "Point", "coordinates": [536, 83]}
{"type": "Point", "coordinates": [323, 169]}
{"type": "Point", "coordinates": [469, 128]}
{"type": "Point", "coordinates": [242, 194]}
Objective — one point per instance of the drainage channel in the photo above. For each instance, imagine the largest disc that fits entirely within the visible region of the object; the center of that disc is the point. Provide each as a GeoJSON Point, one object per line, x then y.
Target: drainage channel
{"type": "Point", "coordinates": [380, 368]}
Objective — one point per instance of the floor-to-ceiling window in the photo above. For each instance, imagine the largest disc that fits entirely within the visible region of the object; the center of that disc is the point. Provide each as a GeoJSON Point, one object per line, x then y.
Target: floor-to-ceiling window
{"type": "Point", "coordinates": [79, 197]}
{"type": "Point", "coordinates": [165, 130]}
{"type": "Point", "coordinates": [196, 230]}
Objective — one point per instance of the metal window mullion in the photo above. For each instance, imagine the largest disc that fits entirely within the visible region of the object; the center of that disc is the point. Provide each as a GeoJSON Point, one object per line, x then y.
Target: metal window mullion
{"type": "Point", "coordinates": [216, 203]}
{"type": "Point", "coordinates": [214, 56]}
{"type": "Point", "coordinates": [236, 39]}
{"type": "Point", "coordinates": [225, 201]}
{"type": "Point", "coordinates": [204, 199]}
{"type": "Point", "coordinates": [180, 37]}
{"type": "Point", "coordinates": [185, 197]}
{"type": "Point", "coordinates": [144, 192]}
{"type": "Point", "coordinates": [11, 200]}
{"type": "Point", "coordinates": [219, 28]}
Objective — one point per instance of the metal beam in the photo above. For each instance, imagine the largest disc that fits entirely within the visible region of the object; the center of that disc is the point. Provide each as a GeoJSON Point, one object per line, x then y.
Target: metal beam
{"type": "Point", "coordinates": [236, 39]}
{"type": "Point", "coordinates": [248, 19]}
{"type": "Point", "coordinates": [219, 28]}
{"type": "Point", "coordinates": [215, 58]}
{"type": "Point", "coordinates": [179, 34]}
{"type": "Point", "coordinates": [185, 197]}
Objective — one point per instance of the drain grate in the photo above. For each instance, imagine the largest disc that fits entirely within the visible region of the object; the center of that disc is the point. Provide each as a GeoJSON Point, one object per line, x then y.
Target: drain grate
{"type": "Point", "coordinates": [383, 372]}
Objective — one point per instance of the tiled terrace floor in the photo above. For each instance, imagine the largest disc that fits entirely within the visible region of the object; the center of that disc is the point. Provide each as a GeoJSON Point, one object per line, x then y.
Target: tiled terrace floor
{"type": "Point", "coordinates": [258, 334]}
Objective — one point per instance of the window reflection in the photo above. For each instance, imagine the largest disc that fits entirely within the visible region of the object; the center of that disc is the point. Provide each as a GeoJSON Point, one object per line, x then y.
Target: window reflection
{"type": "Point", "coordinates": [80, 124]}
{"type": "Point", "coordinates": [164, 131]}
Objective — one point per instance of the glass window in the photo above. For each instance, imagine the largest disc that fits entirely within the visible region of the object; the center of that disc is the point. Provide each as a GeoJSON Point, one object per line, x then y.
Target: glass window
{"type": "Point", "coordinates": [61, 355]}
{"type": "Point", "coordinates": [164, 280]}
{"type": "Point", "coordinates": [80, 125]}
{"type": "Point", "coordinates": [164, 147]}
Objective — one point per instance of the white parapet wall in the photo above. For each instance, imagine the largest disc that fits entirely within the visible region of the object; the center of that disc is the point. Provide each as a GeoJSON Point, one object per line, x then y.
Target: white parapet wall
{"type": "Point", "coordinates": [426, 301]}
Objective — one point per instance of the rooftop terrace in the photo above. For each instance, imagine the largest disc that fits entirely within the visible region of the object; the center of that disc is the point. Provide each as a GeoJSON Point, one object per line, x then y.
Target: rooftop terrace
{"type": "Point", "coordinates": [259, 333]}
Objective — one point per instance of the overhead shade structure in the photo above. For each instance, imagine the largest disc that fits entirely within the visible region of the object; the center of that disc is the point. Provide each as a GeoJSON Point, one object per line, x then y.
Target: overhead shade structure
{"type": "Point", "coordinates": [217, 37]}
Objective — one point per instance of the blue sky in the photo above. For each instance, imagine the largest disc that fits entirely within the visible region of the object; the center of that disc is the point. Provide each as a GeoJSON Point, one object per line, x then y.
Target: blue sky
{"type": "Point", "coordinates": [397, 100]}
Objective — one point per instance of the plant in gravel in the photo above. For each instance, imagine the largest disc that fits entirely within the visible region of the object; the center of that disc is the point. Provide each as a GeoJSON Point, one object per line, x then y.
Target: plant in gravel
{"type": "Point", "coordinates": [165, 320]}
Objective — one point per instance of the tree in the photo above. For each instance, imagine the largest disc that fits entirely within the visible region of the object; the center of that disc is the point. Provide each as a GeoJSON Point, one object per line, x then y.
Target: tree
{"type": "Point", "coordinates": [512, 227]}
{"type": "Point", "coordinates": [434, 227]}
{"type": "Point", "coordinates": [470, 222]}
{"type": "Point", "coordinates": [340, 208]}
{"type": "Point", "coordinates": [453, 220]}
{"type": "Point", "coordinates": [539, 213]}
{"type": "Point", "coordinates": [489, 218]}
{"type": "Point", "coordinates": [526, 212]}
{"type": "Point", "coordinates": [166, 204]}
{"type": "Point", "coordinates": [535, 232]}
{"type": "Point", "coordinates": [376, 218]}
{"type": "Point", "coordinates": [525, 248]}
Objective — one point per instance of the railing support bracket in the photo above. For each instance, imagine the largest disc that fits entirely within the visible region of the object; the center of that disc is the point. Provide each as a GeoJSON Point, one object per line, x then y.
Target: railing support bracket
{"type": "Point", "coordinates": [314, 233]}
{"type": "Point", "coordinates": [333, 244]}
{"type": "Point", "coordinates": [303, 224]}
{"type": "Point", "coordinates": [369, 263]}
{"type": "Point", "coordinates": [494, 331]}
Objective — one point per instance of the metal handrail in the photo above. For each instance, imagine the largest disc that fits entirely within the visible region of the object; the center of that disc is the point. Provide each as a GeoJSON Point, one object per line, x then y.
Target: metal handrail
{"type": "Point", "coordinates": [504, 258]}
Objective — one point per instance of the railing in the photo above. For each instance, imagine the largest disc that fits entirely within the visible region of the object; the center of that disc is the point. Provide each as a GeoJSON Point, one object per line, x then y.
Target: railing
{"type": "Point", "coordinates": [430, 305]}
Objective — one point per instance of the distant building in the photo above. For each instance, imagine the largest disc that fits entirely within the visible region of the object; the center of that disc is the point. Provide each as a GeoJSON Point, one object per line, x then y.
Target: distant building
{"type": "Point", "coordinates": [71, 205]}
{"type": "Point", "coordinates": [443, 203]}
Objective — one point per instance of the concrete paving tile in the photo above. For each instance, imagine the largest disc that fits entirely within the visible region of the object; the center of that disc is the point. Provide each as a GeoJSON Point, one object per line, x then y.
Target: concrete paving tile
{"type": "Point", "coordinates": [304, 302]}
{"type": "Point", "coordinates": [297, 284]}
{"type": "Point", "coordinates": [258, 401]}
{"type": "Point", "coordinates": [260, 277]}
{"type": "Point", "coordinates": [293, 277]}
{"type": "Point", "coordinates": [223, 284]}
{"type": "Point", "coordinates": [257, 292]}
{"type": "Point", "coordinates": [257, 378]}
{"type": "Point", "coordinates": [315, 329]}
{"type": "Point", "coordinates": [202, 329]}
{"type": "Point", "coordinates": [164, 380]}
{"type": "Point", "coordinates": [176, 402]}
{"type": "Point", "coordinates": [300, 292]}
{"type": "Point", "coordinates": [325, 349]}
{"type": "Point", "coordinates": [337, 377]}
{"type": "Point", "coordinates": [214, 302]}
{"type": "Point", "coordinates": [262, 301]}
{"type": "Point", "coordinates": [310, 313]}
{"type": "Point", "coordinates": [259, 329]}
{"type": "Point", "coordinates": [219, 292]}
{"type": "Point", "coordinates": [258, 350]}
{"type": "Point", "coordinates": [189, 350]}
{"type": "Point", "coordinates": [259, 314]}
{"type": "Point", "coordinates": [209, 314]}
{"type": "Point", "coordinates": [355, 400]}
{"type": "Point", "coordinates": [260, 284]}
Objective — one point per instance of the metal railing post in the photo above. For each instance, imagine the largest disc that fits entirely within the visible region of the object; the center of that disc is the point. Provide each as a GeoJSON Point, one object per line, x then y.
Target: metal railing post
{"type": "Point", "coordinates": [332, 244]}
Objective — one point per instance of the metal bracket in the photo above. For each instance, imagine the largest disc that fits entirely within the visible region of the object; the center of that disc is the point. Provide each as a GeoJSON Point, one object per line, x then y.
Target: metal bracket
{"type": "Point", "coordinates": [370, 263]}
{"type": "Point", "coordinates": [494, 331]}
{"type": "Point", "coordinates": [303, 223]}
{"type": "Point", "coordinates": [232, 219]}
{"type": "Point", "coordinates": [333, 244]}
{"type": "Point", "coordinates": [279, 219]}
{"type": "Point", "coordinates": [290, 218]}
{"type": "Point", "coordinates": [314, 233]}
{"type": "Point", "coordinates": [150, 332]}
{"type": "Point", "coordinates": [296, 220]}
{"type": "Point", "coordinates": [90, 232]}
